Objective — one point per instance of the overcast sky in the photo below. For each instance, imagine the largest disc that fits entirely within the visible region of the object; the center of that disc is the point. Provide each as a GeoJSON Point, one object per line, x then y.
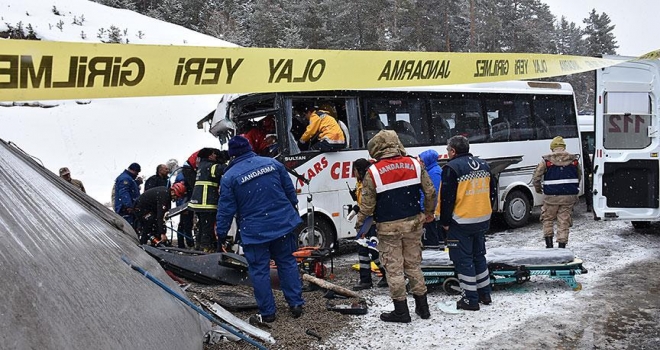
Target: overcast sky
{"type": "Point", "coordinates": [635, 20]}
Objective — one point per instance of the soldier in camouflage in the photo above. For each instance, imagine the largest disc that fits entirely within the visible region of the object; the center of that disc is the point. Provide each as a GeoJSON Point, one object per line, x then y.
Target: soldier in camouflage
{"type": "Point", "coordinates": [558, 176]}
{"type": "Point", "coordinates": [391, 194]}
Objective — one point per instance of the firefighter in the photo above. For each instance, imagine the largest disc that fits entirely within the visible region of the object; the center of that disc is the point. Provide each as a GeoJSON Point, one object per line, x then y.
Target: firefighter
{"type": "Point", "coordinates": [204, 199]}
{"type": "Point", "coordinates": [561, 174]}
{"type": "Point", "coordinates": [465, 215]}
{"type": "Point", "coordinates": [150, 209]}
{"type": "Point", "coordinates": [368, 243]}
{"type": "Point", "coordinates": [258, 191]}
{"type": "Point", "coordinates": [391, 194]}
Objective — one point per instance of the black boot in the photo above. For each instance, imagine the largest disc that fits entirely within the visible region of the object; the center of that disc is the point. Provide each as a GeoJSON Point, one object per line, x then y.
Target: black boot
{"type": "Point", "coordinates": [400, 313]}
{"type": "Point", "coordinates": [362, 286]}
{"type": "Point", "coordinates": [422, 306]}
{"type": "Point", "coordinates": [548, 242]}
{"type": "Point", "coordinates": [383, 281]}
{"type": "Point", "coordinates": [562, 245]}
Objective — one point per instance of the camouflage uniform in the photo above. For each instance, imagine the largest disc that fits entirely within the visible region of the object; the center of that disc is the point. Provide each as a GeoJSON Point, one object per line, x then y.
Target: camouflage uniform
{"type": "Point", "coordinates": [400, 242]}
{"type": "Point", "coordinates": [556, 207]}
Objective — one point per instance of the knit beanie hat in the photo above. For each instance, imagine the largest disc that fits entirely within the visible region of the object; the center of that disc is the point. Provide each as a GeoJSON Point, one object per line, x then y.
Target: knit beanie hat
{"type": "Point", "coordinates": [238, 145]}
{"type": "Point", "coordinates": [557, 142]}
{"type": "Point", "coordinates": [135, 167]}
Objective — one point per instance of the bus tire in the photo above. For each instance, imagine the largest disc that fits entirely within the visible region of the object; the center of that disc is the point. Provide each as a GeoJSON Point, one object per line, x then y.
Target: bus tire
{"type": "Point", "coordinates": [322, 231]}
{"type": "Point", "coordinates": [517, 209]}
{"type": "Point", "coordinates": [640, 225]}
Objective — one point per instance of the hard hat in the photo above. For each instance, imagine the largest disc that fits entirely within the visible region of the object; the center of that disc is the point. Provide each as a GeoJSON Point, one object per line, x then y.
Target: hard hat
{"type": "Point", "coordinates": [179, 189]}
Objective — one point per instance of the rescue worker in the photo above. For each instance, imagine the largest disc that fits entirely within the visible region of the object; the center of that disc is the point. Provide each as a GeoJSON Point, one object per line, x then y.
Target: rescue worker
{"type": "Point", "coordinates": [258, 191]}
{"type": "Point", "coordinates": [368, 243]}
{"type": "Point", "coordinates": [322, 129]}
{"type": "Point", "coordinates": [158, 179]}
{"type": "Point", "coordinates": [204, 200]}
{"type": "Point", "coordinates": [66, 175]}
{"type": "Point", "coordinates": [433, 237]}
{"type": "Point", "coordinates": [558, 177]}
{"type": "Point", "coordinates": [150, 209]}
{"type": "Point", "coordinates": [126, 192]}
{"type": "Point", "coordinates": [186, 175]}
{"type": "Point", "coordinates": [258, 134]}
{"type": "Point", "coordinates": [391, 194]}
{"type": "Point", "coordinates": [465, 212]}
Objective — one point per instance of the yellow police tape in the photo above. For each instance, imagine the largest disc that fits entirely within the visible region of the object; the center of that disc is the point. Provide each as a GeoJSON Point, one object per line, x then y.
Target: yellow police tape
{"type": "Point", "coordinates": [40, 70]}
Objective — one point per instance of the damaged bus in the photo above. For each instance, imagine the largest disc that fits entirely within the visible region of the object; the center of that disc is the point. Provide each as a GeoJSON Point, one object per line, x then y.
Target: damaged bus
{"type": "Point", "coordinates": [509, 124]}
{"type": "Point", "coordinates": [627, 142]}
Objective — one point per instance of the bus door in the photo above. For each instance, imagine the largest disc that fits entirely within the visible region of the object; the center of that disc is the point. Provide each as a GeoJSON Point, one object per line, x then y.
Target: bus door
{"type": "Point", "coordinates": [626, 165]}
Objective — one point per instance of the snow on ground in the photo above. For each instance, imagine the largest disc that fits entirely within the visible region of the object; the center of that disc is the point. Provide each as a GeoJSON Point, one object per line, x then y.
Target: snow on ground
{"type": "Point", "coordinates": [542, 313]}
{"type": "Point", "coordinates": [97, 141]}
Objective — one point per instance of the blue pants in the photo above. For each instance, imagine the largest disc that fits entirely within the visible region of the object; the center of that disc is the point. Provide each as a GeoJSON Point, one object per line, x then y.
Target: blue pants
{"type": "Point", "coordinates": [467, 250]}
{"type": "Point", "coordinates": [258, 257]}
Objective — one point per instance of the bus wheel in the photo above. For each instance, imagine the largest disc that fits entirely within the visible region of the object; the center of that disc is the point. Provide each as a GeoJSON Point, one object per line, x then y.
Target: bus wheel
{"type": "Point", "coordinates": [323, 234]}
{"type": "Point", "coordinates": [517, 209]}
{"type": "Point", "coordinates": [640, 225]}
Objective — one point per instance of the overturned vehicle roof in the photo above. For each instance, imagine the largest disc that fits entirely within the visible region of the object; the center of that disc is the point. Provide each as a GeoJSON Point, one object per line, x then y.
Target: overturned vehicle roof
{"type": "Point", "coordinates": [64, 284]}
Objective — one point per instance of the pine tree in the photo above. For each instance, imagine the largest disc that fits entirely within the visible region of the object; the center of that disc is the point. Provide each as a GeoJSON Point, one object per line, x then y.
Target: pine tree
{"type": "Point", "coordinates": [599, 37]}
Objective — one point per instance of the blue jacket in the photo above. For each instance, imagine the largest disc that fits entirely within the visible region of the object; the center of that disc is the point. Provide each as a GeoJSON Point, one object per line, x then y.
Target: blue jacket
{"type": "Point", "coordinates": [260, 193]}
{"type": "Point", "coordinates": [127, 192]}
{"type": "Point", "coordinates": [430, 159]}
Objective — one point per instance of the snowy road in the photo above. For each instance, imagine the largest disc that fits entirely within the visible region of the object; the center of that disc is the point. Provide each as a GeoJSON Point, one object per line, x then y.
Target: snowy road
{"type": "Point", "coordinates": [618, 307]}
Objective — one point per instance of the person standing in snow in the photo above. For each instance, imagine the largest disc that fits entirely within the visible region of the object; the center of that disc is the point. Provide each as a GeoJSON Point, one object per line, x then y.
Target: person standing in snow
{"type": "Point", "coordinates": [558, 177]}
{"type": "Point", "coordinates": [186, 175]}
{"type": "Point", "coordinates": [259, 192]}
{"type": "Point", "coordinates": [368, 243]}
{"type": "Point", "coordinates": [433, 237]}
{"type": "Point", "coordinates": [204, 199]}
{"type": "Point", "coordinates": [66, 175]}
{"type": "Point", "coordinates": [467, 192]}
{"type": "Point", "coordinates": [126, 192]}
{"type": "Point", "coordinates": [391, 194]}
{"type": "Point", "coordinates": [158, 179]}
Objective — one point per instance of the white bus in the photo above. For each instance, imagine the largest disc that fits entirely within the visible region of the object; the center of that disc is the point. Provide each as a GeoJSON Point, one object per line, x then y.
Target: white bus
{"type": "Point", "coordinates": [509, 124]}
{"type": "Point", "coordinates": [626, 166]}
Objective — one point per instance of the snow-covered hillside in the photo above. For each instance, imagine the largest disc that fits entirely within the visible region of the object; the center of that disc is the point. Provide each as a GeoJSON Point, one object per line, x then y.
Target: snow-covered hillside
{"type": "Point", "coordinates": [100, 139]}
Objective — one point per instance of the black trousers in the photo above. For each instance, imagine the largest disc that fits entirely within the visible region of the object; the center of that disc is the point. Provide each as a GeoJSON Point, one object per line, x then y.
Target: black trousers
{"type": "Point", "coordinates": [185, 227]}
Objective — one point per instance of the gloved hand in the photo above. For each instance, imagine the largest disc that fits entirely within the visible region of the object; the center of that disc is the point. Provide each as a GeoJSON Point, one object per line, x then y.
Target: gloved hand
{"type": "Point", "coordinates": [223, 245]}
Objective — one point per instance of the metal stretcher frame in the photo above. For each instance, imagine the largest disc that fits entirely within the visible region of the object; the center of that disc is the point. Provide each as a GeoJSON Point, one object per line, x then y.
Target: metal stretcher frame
{"type": "Point", "coordinates": [505, 274]}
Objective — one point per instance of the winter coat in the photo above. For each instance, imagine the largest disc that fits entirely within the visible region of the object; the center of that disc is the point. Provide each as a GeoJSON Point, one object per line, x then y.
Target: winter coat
{"type": "Point", "coordinates": [430, 159]}
{"type": "Point", "coordinates": [155, 202]}
{"type": "Point", "coordinates": [260, 193]}
{"type": "Point", "coordinates": [322, 123]}
{"type": "Point", "coordinates": [126, 192]}
{"type": "Point", "coordinates": [383, 197]}
{"type": "Point", "coordinates": [155, 181]}
{"type": "Point", "coordinates": [78, 184]}
{"type": "Point", "coordinates": [567, 169]}
{"type": "Point", "coordinates": [467, 193]}
{"type": "Point", "coordinates": [207, 185]}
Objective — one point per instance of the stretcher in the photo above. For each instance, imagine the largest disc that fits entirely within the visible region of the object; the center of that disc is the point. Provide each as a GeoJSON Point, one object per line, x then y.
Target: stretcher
{"type": "Point", "coordinates": [506, 266]}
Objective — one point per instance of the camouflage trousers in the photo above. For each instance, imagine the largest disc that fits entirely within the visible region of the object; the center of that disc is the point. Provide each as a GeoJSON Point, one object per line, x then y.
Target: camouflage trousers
{"type": "Point", "coordinates": [559, 208]}
{"type": "Point", "coordinates": [400, 248]}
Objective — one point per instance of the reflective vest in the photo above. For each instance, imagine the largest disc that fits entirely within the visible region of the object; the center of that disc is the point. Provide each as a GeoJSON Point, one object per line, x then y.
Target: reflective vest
{"type": "Point", "coordinates": [472, 204]}
{"type": "Point", "coordinates": [207, 184]}
{"type": "Point", "coordinates": [398, 184]}
{"type": "Point", "coordinates": [561, 180]}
